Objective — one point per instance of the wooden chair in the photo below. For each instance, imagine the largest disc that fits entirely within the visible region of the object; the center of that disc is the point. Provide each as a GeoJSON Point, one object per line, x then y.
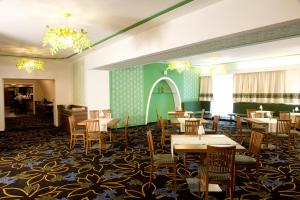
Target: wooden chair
{"type": "Point", "coordinates": [250, 115]}
{"type": "Point", "coordinates": [93, 134]}
{"type": "Point", "coordinates": [259, 115]}
{"type": "Point", "coordinates": [296, 133]}
{"type": "Point", "coordinates": [165, 133]}
{"type": "Point", "coordinates": [283, 134]}
{"type": "Point", "coordinates": [219, 168]}
{"type": "Point", "coordinates": [75, 134]}
{"type": "Point", "coordinates": [252, 157]}
{"type": "Point", "coordinates": [179, 113]}
{"type": "Point", "coordinates": [191, 127]}
{"type": "Point", "coordinates": [121, 133]}
{"type": "Point", "coordinates": [161, 161]}
{"type": "Point", "coordinates": [94, 114]}
{"type": "Point", "coordinates": [241, 131]}
{"type": "Point", "coordinates": [106, 113]}
{"type": "Point", "coordinates": [202, 113]}
{"type": "Point", "coordinates": [215, 125]}
{"type": "Point", "coordinates": [284, 115]}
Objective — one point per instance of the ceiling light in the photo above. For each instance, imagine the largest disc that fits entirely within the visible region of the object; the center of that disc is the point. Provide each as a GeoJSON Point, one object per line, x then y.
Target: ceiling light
{"type": "Point", "coordinates": [30, 64]}
{"type": "Point", "coordinates": [180, 66]}
{"type": "Point", "coordinates": [64, 38]}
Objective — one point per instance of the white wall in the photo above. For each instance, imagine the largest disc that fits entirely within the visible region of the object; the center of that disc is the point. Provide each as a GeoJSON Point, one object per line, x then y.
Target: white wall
{"type": "Point", "coordinates": [60, 71]}
{"type": "Point", "coordinates": [222, 18]}
{"type": "Point", "coordinates": [91, 87]}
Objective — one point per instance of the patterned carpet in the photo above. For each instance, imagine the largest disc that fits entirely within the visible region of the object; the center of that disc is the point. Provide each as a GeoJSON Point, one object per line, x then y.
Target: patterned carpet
{"type": "Point", "coordinates": [38, 164]}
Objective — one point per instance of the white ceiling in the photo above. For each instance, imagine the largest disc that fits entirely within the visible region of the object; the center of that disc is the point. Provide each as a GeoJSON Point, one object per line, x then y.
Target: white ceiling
{"type": "Point", "coordinates": [272, 49]}
{"type": "Point", "coordinates": [23, 22]}
{"type": "Point", "coordinates": [23, 25]}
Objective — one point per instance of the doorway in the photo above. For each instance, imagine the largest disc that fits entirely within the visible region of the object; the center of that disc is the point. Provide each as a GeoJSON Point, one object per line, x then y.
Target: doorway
{"type": "Point", "coordinates": [29, 100]}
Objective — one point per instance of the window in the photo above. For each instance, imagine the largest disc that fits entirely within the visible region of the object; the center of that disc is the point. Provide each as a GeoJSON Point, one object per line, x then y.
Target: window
{"type": "Point", "coordinates": [222, 103]}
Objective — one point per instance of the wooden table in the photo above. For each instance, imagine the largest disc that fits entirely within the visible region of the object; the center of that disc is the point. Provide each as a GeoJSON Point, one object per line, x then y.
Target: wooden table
{"type": "Point", "coordinates": [181, 121]}
{"type": "Point", "coordinates": [105, 123]}
{"type": "Point", "coordinates": [192, 143]}
{"type": "Point", "coordinates": [186, 113]}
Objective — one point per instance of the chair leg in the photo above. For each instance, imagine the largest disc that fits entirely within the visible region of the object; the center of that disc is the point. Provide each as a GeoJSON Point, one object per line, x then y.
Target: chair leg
{"type": "Point", "coordinates": [151, 172]}
{"type": "Point", "coordinates": [175, 181]}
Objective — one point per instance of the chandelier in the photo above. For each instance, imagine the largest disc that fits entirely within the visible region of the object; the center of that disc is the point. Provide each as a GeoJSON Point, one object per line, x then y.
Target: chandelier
{"type": "Point", "coordinates": [29, 65]}
{"type": "Point", "coordinates": [180, 66]}
{"type": "Point", "coordinates": [64, 38]}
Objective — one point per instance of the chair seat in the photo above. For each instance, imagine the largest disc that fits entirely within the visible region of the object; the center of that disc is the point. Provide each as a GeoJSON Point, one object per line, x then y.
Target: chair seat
{"type": "Point", "coordinates": [214, 176]}
{"type": "Point", "coordinates": [244, 159]}
{"type": "Point", "coordinates": [79, 132]}
{"type": "Point", "coordinates": [164, 159]}
{"type": "Point", "coordinates": [295, 133]}
{"type": "Point", "coordinates": [93, 136]}
{"type": "Point", "coordinates": [246, 131]}
{"type": "Point", "coordinates": [209, 130]}
{"type": "Point", "coordinates": [281, 135]}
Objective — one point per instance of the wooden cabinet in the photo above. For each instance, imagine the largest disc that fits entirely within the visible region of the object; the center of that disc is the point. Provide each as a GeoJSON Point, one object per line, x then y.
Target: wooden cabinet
{"type": "Point", "coordinates": [79, 113]}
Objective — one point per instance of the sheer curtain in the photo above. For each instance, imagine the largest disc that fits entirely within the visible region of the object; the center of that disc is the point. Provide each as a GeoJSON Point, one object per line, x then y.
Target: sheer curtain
{"type": "Point", "coordinates": [222, 103]}
{"type": "Point", "coordinates": [206, 93]}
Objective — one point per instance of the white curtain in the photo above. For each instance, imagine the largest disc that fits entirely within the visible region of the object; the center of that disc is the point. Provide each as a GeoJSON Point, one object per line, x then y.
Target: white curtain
{"type": "Point", "coordinates": [206, 88]}
{"type": "Point", "coordinates": [267, 87]}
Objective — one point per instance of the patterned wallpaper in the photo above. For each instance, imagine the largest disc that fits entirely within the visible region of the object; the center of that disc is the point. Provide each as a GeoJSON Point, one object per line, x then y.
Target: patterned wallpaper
{"type": "Point", "coordinates": [191, 86]}
{"type": "Point", "coordinates": [127, 94]}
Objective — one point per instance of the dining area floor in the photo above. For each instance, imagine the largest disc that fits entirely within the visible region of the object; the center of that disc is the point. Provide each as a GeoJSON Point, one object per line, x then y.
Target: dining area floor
{"type": "Point", "coordinates": [38, 164]}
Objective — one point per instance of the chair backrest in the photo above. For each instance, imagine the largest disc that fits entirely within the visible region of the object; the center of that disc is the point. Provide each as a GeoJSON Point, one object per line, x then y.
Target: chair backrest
{"type": "Point", "coordinates": [179, 113]}
{"type": "Point", "coordinates": [72, 126]}
{"type": "Point", "coordinates": [284, 115]}
{"type": "Point", "coordinates": [297, 121]}
{"type": "Point", "coordinates": [92, 126]}
{"type": "Point", "coordinates": [191, 127]}
{"type": "Point", "coordinates": [239, 122]}
{"type": "Point", "coordinates": [94, 114]}
{"type": "Point", "coordinates": [220, 159]}
{"type": "Point", "coordinates": [249, 111]}
{"type": "Point", "coordinates": [215, 122]}
{"type": "Point", "coordinates": [258, 114]}
{"type": "Point", "coordinates": [283, 126]}
{"type": "Point", "coordinates": [202, 113]}
{"type": "Point", "coordinates": [106, 113]}
{"type": "Point", "coordinates": [256, 139]}
{"type": "Point", "coordinates": [150, 145]}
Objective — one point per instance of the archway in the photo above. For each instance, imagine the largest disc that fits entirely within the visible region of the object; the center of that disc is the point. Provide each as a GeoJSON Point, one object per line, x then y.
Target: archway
{"type": "Point", "coordinates": [174, 89]}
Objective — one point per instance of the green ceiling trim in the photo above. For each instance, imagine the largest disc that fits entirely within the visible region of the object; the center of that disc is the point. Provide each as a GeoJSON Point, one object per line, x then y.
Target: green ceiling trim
{"type": "Point", "coordinates": [141, 22]}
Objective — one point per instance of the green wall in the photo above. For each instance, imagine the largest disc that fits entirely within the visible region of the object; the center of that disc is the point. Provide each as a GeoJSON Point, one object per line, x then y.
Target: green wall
{"type": "Point", "coordinates": [130, 88]}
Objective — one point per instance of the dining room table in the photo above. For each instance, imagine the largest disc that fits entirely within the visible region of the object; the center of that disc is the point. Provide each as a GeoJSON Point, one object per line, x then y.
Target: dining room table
{"type": "Point", "coordinates": [198, 144]}
{"type": "Point", "coordinates": [106, 124]}
{"type": "Point", "coordinates": [186, 113]}
{"type": "Point", "coordinates": [180, 122]}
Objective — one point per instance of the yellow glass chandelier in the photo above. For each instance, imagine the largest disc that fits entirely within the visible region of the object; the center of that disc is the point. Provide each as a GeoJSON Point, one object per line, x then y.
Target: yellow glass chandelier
{"type": "Point", "coordinates": [29, 65]}
{"type": "Point", "coordinates": [64, 38]}
{"type": "Point", "coordinates": [180, 66]}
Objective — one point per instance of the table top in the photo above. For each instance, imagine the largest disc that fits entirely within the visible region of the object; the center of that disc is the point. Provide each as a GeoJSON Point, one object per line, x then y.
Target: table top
{"type": "Point", "coordinates": [262, 120]}
{"type": "Point", "coordinates": [182, 120]}
{"type": "Point", "coordinates": [111, 122]}
{"type": "Point", "coordinates": [185, 112]}
{"type": "Point", "coordinates": [192, 143]}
